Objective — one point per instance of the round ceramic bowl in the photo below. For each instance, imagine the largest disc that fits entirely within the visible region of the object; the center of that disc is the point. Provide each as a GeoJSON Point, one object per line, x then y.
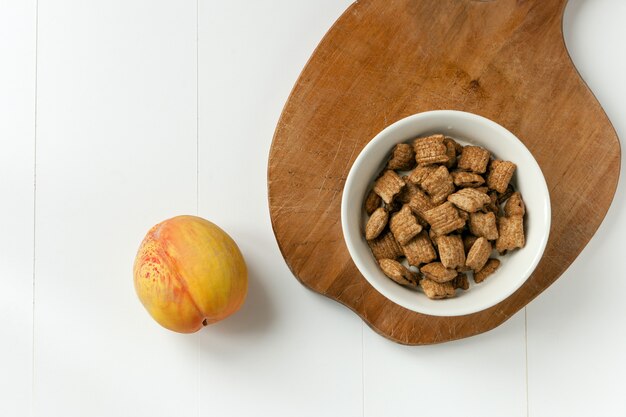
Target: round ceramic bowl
{"type": "Point", "coordinates": [466, 128]}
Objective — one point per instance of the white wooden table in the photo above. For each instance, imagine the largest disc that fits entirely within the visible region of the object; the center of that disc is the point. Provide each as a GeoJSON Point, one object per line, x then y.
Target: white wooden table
{"type": "Point", "coordinates": [117, 114]}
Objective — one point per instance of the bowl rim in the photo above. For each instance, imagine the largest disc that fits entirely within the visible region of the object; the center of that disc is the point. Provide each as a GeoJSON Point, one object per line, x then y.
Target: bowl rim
{"type": "Point", "coordinates": [362, 157]}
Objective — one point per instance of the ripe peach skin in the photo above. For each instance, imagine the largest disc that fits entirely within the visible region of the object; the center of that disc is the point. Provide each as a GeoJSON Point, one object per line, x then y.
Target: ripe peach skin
{"type": "Point", "coordinates": [188, 273]}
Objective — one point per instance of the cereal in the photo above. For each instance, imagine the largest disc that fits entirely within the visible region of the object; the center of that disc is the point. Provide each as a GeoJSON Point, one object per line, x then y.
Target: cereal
{"type": "Point", "coordinates": [468, 241]}
{"type": "Point", "coordinates": [489, 268]}
{"type": "Point", "coordinates": [430, 150]}
{"type": "Point", "coordinates": [393, 206]}
{"type": "Point", "coordinates": [444, 219]}
{"type": "Point", "coordinates": [376, 223]}
{"type": "Point", "coordinates": [500, 175]}
{"type": "Point", "coordinates": [407, 193]}
{"type": "Point", "coordinates": [450, 152]}
{"type": "Point", "coordinates": [385, 246]}
{"type": "Point", "coordinates": [475, 159]}
{"type": "Point", "coordinates": [443, 216]}
{"type": "Point", "coordinates": [404, 225]}
{"type": "Point", "coordinates": [514, 206]}
{"type": "Point", "coordinates": [511, 230]}
{"type": "Point", "coordinates": [403, 157]}
{"type": "Point", "coordinates": [438, 185]}
{"type": "Point", "coordinates": [493, 205]}
{"type": "Point", "coordinates": [372, 202]}
{"type": "Point", "coordinates": [469, 199]}
{"type": "Point", "coordinates": [437, 272]}
{"type": "Point", "coordinates": [484, 225]}
{"type": "Point", "coordinates": [433, 237]}
{"type": "Point", "coordinates": [419, 250]}
{"type": "Point", "coordinates": [437, 291]}
{"type": "Point", "coordinates": [461, 282]}
{"type": "Point", "coordinates": [502, 197]}
{"type": "Point", "coordinates": [420, 203]}
{"type": "Point", "coordinates": [465, 179]}
{"type": "Point", "coordinates": [388, 185]}
{"type": "Point", "coordinates": [419, 174]}
{"type": "Point", "coordinates": [458, 148]}
{"type": "Point", "coordinates": [399, 273]}
{"type": "Point", "coordinates": [478, 254]}
{"type": "Point", "coordinates": [451, 251]}
{"type": "Point", "coordinates": [464, 215]}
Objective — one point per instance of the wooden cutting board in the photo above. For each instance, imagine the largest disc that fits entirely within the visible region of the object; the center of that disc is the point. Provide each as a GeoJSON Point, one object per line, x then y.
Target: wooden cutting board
{"type": "Point", "coordinates": [386, 59]}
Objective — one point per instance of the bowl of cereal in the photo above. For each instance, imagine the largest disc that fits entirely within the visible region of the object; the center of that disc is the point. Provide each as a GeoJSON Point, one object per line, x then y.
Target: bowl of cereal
{"type": "Point", "coordinates": [445, 213]}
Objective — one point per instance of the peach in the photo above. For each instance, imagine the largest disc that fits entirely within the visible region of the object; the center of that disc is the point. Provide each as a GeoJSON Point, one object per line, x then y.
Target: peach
{"type": "Point", "coordinates": [189, 273]}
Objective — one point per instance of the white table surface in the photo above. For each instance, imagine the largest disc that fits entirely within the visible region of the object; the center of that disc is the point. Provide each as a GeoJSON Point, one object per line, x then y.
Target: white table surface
{"type": "Point", "coordinates": [117, 114]}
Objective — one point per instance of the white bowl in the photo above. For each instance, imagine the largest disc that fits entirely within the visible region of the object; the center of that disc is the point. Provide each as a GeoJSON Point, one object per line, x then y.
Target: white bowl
{"type": "Point", "coordinates": [467, 128]}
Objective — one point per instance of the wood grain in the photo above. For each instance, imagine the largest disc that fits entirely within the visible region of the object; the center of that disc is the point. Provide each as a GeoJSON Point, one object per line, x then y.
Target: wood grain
{"type": "Point", "coordinates": [386, 59]}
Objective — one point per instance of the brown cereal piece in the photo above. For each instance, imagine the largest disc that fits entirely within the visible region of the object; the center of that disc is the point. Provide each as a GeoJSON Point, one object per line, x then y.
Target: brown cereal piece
{"type": "Point", "coordinates": [458, 148]}
{"type": "Point", "coordinates": [450, 152]}
{"type": "Point", "coordinates": [388, 185]}
{"type": "Point", "coordinates": [478, 254]}
{"type": "Point", "coordinates": [408, 191]}
{"type": "Point", "coordinates": [511, 231]}
{"type": "Point", "coordinates": [421, 220]}
{"type": "Point", "coordinates": [430, 150]}
{"type": "Point", "coordinates": [484, 225]}
{"type": "Point", "coordinates": [420, 203]}
{"type": "Point", "coordinates": [451, 251]}
{"type": "Point", "coordinates": [437, 272]}
{"type": "Point", "coordinates": [402, 158]}
{"type": "Point", "coordinates": [483, 189]}
{"type": "Point", "coordinates": [437, 291]}
{"type": "Point", "coordinates": [419, 250]}
{"type": "Point", "coordinates": [493, 205]}
{"type": "Point", "coordinates": [433, 237]}
{"type": "Point", "coordinates": [502, 197]}
{"type": "Point", "coordinates": [466, 179]}
{"type": "Point", "coordinates": [372, 202]}
{"type": "Point", "coordinates": [444, 218]}
{"type": "Point", "coordinates": [419, 174]}
{"type": "Point", "coordinates": [469, 199]}
{"type": "Point", "coordinates": [460, 282]}
{"type": "Point", "coordinates": [385, 246]}
{"type": "Point", "coordinates": [475, 159]}
{"type": "Point", "coordinates": [438, 185]}
{"type": "Point", "coordinates": [399, 273]}
{"type": "Point", "coordinates": [404, 225]}
{"type": "Point", "coordinates": [514, 206]}
{"type": "Point", "coordinates": [489, 268]}
{"type": "Point", "coordinates": [468, 242]}
{"type": "Point", "coordinates": [376, 223]}
{"type": "Point", "coordinates": [395, 205]}
{"type": "Point", "coordinates": [500, 175]}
